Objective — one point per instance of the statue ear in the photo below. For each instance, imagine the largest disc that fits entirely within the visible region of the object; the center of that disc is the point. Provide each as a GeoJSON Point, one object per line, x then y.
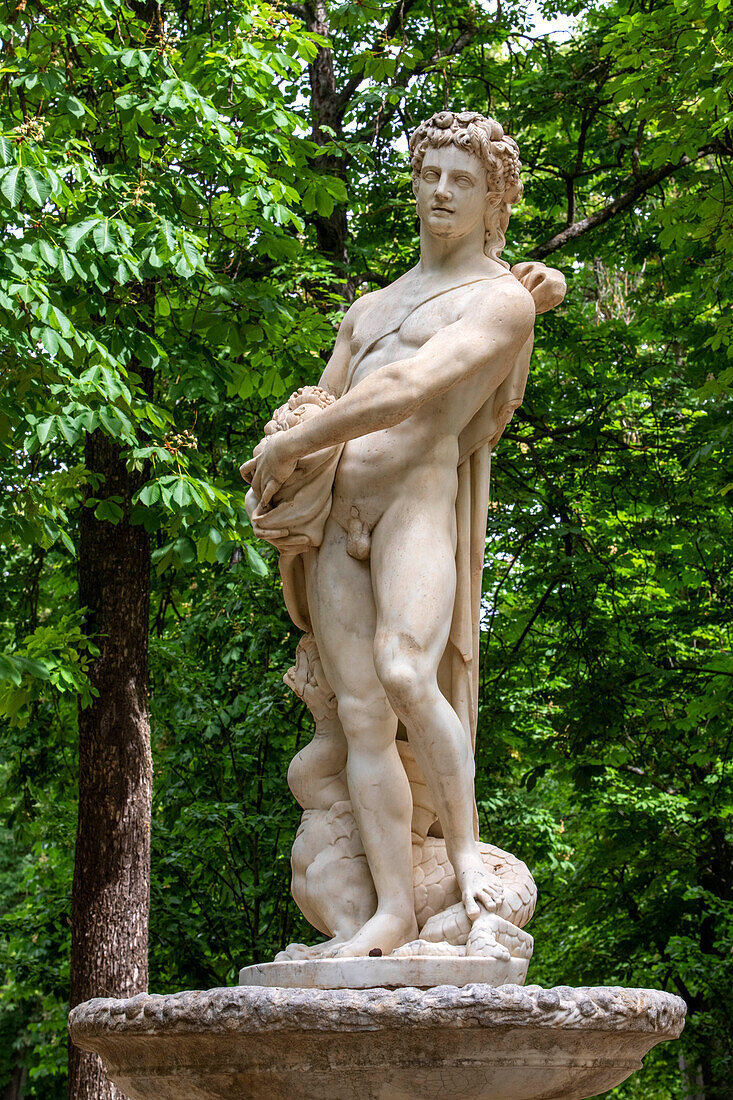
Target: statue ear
{"type": "Point", "coordinates": [415, 184]}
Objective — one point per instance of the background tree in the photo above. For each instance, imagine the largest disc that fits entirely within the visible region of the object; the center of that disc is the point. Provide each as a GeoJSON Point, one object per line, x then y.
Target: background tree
{"type": "Point", "coordinates": [180, 275]}
{"type": "Point", "coordinates": [147, 158]}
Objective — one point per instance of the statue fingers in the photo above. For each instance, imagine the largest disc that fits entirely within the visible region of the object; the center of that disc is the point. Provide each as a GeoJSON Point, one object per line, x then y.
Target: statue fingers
{"type": "Point", "coordinates": [248, 469]}
{"type": "Point", "coordinates": [472, 907]}
{"type": "Point", "coordinates": [257, 482]}
{"type": "Point", "coordinates": [269, 491]}
{"type": "Point", "coordinates": [529, 271]}
{"type": "Point", "coordinates": [487, 899]}
{"type": "Point", "coordinates": [298, 542]}
{"type": "Point", "coordinates": [273, 534]}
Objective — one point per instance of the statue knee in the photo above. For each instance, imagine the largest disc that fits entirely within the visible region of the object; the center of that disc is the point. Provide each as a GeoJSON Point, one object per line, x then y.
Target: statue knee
{"type": "Point", "coordinates": [406, 683]}
{"type": "Point", "coordinates": [367, 718]}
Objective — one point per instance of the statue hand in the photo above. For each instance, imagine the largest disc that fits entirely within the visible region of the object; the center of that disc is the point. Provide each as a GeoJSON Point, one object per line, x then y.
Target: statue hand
{"type": "Point", "coordinates": [545, 284]}
{"type": "Point", "coordinates": [479, 889]}
{"type": "Point", "coordinates": [269, 470]}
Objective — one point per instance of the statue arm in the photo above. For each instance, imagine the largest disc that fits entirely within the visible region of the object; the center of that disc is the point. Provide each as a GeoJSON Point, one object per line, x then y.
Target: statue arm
{"type": "Point", "coordinates": [487, 339]}
{"type": "Point", "coordinates": [336, 371]}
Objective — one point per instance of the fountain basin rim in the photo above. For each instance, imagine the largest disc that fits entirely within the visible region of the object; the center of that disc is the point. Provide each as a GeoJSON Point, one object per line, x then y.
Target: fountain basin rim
{"type": "Point", "coordinates": [267, 1009]}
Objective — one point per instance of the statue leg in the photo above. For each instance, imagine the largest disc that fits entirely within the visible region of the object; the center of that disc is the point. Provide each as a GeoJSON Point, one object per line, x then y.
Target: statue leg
{"type": "Point", "coordinates": [414, 578]}
{"type": "Point", "coordinates": [341, 603]}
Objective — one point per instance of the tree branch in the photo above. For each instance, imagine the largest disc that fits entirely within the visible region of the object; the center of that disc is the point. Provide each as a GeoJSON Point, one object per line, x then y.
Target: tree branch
{"type": "Point", "coordinates": [395, 21]}
{"type": "Point", "coordinates": [650, 778]}
{"type": "Point", "coordinates": [402, 78]}
{"type": "Point", "coordinates": [370, 276]}
{"type": "Point", "coordinates": [637, 191]}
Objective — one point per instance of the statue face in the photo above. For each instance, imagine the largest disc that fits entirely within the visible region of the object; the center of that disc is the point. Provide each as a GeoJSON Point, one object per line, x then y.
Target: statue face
{"type": "Point", "coordinates": [451, 192]}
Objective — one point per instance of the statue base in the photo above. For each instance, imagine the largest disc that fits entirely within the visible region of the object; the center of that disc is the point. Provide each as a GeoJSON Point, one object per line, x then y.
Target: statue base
{"type": "Point", "coordinates": [478, 1042]}
{"type": "Point", "coordinates": [417, 971]}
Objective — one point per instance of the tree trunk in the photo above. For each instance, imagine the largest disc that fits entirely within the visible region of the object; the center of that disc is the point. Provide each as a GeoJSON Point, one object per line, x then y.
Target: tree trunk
{"type": "Point", "coordinates": [15, 1088]}
{"type": "Point", "coordinates": [326, 111]}
{"type": "Point", "coordinates": [111, 892]}
{"type": "Point", "coordinates": [691, 1079]}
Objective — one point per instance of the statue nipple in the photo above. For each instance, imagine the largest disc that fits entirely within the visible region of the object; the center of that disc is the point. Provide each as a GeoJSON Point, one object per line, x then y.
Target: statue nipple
{"type": "Point", "coordinates": [358, 537]}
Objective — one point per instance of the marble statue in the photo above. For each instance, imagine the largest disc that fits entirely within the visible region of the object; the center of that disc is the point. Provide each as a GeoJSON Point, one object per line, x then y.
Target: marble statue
{"type": "Point", "coordinates": [373, 485]}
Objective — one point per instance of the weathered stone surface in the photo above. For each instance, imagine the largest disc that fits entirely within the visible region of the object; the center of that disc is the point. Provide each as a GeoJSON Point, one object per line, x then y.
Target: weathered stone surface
{"type": "Point", "coordinates": [418, 971]}
{"type": "Point", "coordinates": [446, 1043]}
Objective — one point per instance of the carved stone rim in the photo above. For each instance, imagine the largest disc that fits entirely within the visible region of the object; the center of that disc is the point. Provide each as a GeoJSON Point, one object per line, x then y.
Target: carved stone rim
{"type": "Point", "coordinates": [259, 1009]}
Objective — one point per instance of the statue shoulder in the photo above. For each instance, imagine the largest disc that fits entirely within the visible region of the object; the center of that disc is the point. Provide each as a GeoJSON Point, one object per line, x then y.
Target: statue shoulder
{"type": "Point", "coordinates": [546, 284]}
{"type": "Point", "coordinates": [504, 299]}
{"type": "Point", "coordinates": [365, 302]}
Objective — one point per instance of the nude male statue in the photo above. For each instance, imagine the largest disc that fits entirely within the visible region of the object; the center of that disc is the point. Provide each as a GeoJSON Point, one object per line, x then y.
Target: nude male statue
{"type": "Point", "coordinates": [414, 368]}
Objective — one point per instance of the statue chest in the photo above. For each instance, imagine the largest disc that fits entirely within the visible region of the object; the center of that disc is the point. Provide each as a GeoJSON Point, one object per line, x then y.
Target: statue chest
{"type": "Point", "coordinates": [385, 335]}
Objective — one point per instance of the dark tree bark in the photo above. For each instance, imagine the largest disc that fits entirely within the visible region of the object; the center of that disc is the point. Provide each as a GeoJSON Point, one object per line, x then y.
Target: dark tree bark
{"type": "Point", "coordinates": [16, 1085]}
{"type": "Point", "coordinates": [111, 892]}
{"type": "Point", "coordinates": [330, 101]}
{"type": "Point", "coordinates": [327, 114]}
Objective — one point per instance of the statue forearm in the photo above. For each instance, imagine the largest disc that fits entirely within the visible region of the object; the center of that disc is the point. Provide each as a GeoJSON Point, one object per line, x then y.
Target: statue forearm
{"type": "Point", "coordinates": [379, 401]}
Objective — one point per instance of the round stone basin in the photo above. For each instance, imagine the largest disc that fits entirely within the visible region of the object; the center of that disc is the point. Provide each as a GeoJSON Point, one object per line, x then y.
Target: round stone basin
{"type": "Point", "coordinates": [478, 1042]}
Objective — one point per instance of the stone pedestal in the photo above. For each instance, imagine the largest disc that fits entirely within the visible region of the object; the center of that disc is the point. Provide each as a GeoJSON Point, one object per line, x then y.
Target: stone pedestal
{"type": "Point", "coordinates": [478, 1042]}
{"type": "Point", "coordinates": [390, 972]}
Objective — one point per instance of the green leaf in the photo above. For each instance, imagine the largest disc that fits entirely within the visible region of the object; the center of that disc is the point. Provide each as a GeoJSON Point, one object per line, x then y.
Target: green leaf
{"type": "Point", "coordinates": [109, 510]}
{"type": "Point", "coordinates": [181, 493]}
{"type": "Point", "coordinates": [9, 670]}
{"type": "Point", "coordinates": [103, 237]}
{"type": "Point", "coordinates": [109, 422]}
{"type": "Point", "coordinates": [50, 340]}
{"type": "Point", "coordinates": [33, 668]}
{"type": "Point", "coordinates": [75, 107]}
{"type": "Point", "coordinates": [256, 563]}
{"type": "Point", "coordinates": [45, 428]}
{"type": "Point", "coordinates": [67, 541]}
{"type": "Point", "coordinates": [225, 550]}
{"type": "Point", "coordinates": [37, 185]}
{"type": "Point", "coordinates": [75, 234]}
{"type": "Point", "coordinates": [185, 549]}
{"type": "Point", "coordinates": [149, 494]}
{"type": "Point", "coordinates": [12, 185]}
{"type": "Point", "coordinates": [50, 254]}
{"type": "Point", "coordinates": [191, 253]}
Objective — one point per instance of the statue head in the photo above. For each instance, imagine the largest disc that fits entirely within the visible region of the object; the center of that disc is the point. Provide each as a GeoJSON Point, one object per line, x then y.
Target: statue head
{"type": "Point", "coordinates": [498, 155]}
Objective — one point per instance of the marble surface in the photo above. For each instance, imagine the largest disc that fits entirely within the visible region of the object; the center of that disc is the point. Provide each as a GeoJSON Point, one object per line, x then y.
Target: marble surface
{"type": "Point", "coordinates": [419, 971]}
{"type": "Point", "coordinates": [372, 482]}
{"type": "Point", "coordinates": [475, 1043]}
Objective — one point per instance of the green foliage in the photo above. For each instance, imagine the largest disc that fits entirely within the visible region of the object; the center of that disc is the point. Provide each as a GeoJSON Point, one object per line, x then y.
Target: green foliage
{"type": "Point", "coordinates": [160, 283]}
{"type": "Point", "coordinates": [225, 726]}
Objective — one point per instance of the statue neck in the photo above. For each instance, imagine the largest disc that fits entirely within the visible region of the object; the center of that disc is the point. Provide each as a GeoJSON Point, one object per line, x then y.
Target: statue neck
{"type": "Point", "coordinates": [454, 257]}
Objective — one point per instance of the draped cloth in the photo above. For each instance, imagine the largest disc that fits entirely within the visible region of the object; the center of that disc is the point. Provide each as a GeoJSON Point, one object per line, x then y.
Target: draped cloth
{"type": "Point", "coordinates": [458, 675]}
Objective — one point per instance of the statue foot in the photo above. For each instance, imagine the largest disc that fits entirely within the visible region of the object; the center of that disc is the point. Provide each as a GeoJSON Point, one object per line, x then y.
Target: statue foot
{"type": "Point", "coordinates": [297, 952]}
{"type": "Point", "coordinates": [383, 932]}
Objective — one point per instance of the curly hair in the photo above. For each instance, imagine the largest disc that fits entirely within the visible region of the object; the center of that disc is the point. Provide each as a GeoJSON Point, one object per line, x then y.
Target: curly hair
{"type": "Point", "coordinates": [498, 153]}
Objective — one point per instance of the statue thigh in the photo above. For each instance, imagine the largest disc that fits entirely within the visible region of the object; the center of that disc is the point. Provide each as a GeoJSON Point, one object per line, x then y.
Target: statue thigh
{"type": "Point", "coordinates": [414, 584]}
